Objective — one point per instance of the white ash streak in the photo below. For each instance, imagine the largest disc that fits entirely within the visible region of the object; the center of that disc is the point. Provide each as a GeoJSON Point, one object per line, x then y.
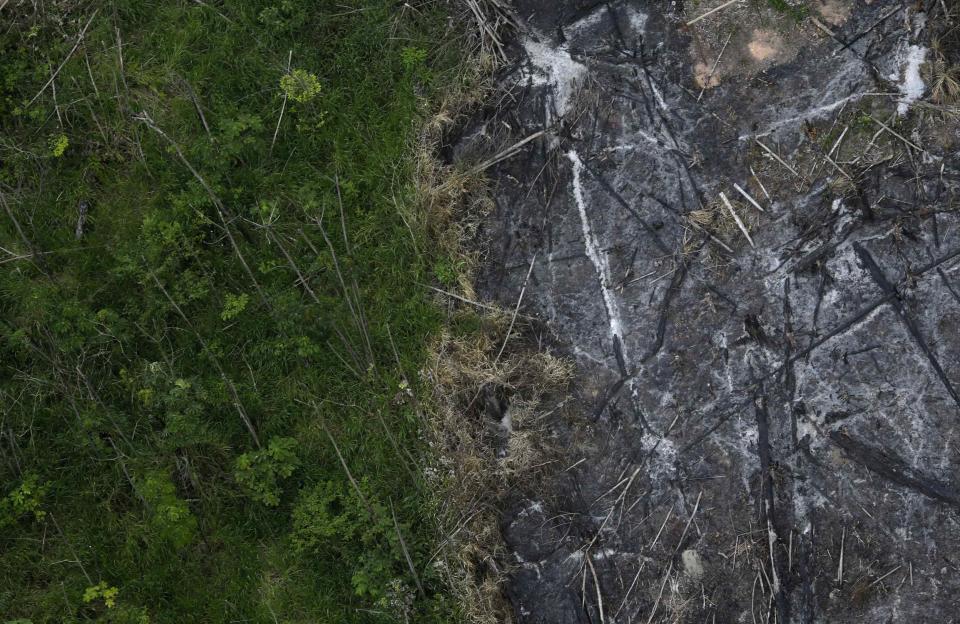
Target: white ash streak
{"type": "Point", "coordinates": [599, 261]}
{"type": "Point", "coordinates": [555, 67]}
{"type": "Point", "coordinates": [912, 85]}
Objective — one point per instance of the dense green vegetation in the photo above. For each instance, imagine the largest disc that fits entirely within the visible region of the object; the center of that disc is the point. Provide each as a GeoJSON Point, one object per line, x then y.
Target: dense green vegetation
{"type": "Point", "coordinates": [208, 296]}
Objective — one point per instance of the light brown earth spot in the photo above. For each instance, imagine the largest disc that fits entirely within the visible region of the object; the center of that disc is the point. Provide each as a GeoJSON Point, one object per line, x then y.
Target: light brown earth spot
{"type": "Point", "coordinates": [765, 45]}
{"type": "Point", "coordinates": [704, 77]}
{"type": "Point", "coordinates": [735, 43]}
{"type": "Point", "coordinates": [833, 12]}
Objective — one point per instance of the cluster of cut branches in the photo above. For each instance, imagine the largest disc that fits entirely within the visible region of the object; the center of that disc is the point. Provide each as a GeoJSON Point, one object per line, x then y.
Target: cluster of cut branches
{"type": "Point", "coordinates": [491, 18]}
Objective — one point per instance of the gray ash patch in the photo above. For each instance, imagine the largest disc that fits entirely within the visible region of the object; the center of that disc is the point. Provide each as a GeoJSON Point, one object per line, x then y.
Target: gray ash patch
{"type": "Point", "coordinates": [770, 429]}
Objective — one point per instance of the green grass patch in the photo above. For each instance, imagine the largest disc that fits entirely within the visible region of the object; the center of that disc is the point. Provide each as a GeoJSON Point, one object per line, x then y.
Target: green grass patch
{"type": "Point", "coordinates": [205, 285]}
{"type": "Point", "coordinates": [798, 13]}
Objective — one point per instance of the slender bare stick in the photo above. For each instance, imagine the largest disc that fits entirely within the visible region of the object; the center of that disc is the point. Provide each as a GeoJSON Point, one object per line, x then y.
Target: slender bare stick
{"type": "Point", "coordinates": [693, 515]}
{"type": "Point", "coordinates": [885, 575]}
{"type": "Point", "coordinates": [364, 332]}
{"type": "Point", "coordinates": [507, 153]}
{"type": "Point", "coordinates": [660, 595]}
{"type": "Point", "coordinates": [839, 139]}
{"type": "Point", "coordinates": [771, 540]}
{"type": "Point", "coordinates": [596, 585]}
{"type": "Point", "coordinates": [843, 539]}
{"type": "Point", "coordinates": [64, 62]}
{"type": "Point", "coordinates": [343, 361]}
{"type": "Point", "coordinates": [778, 159]}
{"type": "Point", "coordinates": [283, 107]}
{"type": "Point", "coordinates": [740, 224]}
{"type": "Point", "coordinates": [343, 220]}
{"type": "Point", "coordinates": [760, 184]}
{"type": "Point", "coordinates": [73, 551]}
{"type": "Point", "coordinates": [293, 265]}
{"type": "Point", "coordinates": [837, 167]}
{"type": "Point", "coordinates": [346, 469]}
{"type": "Point", "coordinates": [894, 133]}
{"type": "Point", "coordinates": [463, 299]}
{"type": "Point", "coordinates": [146, 119]}
{"type": "Point", "coordinates": [86, 60]}
{"type": "Point", "coordinates": [665, 519]}
{"type": "Point", "coordinates": [715, 63]}
{"type": "Point", "coordinates": [823, 27]}
{"type": "Point", "coordinates": [711, 12]}
{"type": "Point", "coordinates": [790, 553]}
{"type": "Point", "coordinates": [196, 104]}
{"type": "Point", "coordinates": [719, 242]}
{"type": "Point", "coordinates": [484, 23]}
{"type": "Point", "coordinates": [406, 553]}
{"type": "Point", "coordinates": [748, 198]}
{"type": "Point", "coordinates": [216, 361]}
{"type": "Point", "coordinates": [56, 105]}
{"type": "Point", "coordinates": [355, 311]}
{"type": "Point", "coordinates": [35, 254]}
{"type": "Point", "coordinates": [123, 76]}
{"type": "Point", "coordinates": [16, 224]}
{"type": "Point", "coordinates": [630, 589]}
{"type": "Point", "coordinates": [516, 309]}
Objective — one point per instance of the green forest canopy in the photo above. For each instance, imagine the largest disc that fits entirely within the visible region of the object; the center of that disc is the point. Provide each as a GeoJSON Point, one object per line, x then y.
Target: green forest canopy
{"type": "Point", "coordinates": [206, 285]}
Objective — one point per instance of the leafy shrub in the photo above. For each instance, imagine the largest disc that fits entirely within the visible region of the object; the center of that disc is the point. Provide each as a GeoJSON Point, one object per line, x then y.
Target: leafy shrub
{"type": "Point", "coordinates": [170, 518]}
{"type": "Point", "coordinates": [58, 145]}
{"type": "Point", "coordinates": [284, 15]}
{"type": "Point", "coordinates": [412, 57]}
{"type": "Point", "coordinates": [300, 85]}
{"type": "Point", "coordinates": [24, 500]}
{"type": "Point", "coordinates": [101, 591]}
{"type": "Point", "coordinates": [260, 472]}
{"type": "Point", "coordinates": [330, 521]}
{"type": "Point", "coordinates": [326, 517]}
{"type": "Point", "coordinates": [240, 133]}
{"type": "Point", "coordinates": [233, 305]}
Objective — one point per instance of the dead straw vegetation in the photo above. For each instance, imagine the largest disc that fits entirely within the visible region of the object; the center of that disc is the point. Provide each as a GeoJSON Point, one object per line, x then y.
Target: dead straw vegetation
{"type": "Point", "coordinates": [487, 429]}
{"type": "Point", "coordinates": [492, 386]}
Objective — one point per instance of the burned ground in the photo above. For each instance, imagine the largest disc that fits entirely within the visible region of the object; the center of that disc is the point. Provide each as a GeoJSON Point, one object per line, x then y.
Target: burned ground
{"type": "Point", "coordinates": [743, 232]}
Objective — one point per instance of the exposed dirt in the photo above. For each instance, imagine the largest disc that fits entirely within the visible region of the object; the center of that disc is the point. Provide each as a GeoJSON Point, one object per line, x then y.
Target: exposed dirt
{"type": "Point", "coordinates": [768, 399]}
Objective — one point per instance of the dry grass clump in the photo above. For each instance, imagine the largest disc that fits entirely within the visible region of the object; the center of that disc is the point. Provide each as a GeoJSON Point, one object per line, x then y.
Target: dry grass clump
{"type": "Point", "coordinates": [491, 19]}
{"type": "Point", "coordinates": [491, 387]}
{"type": "Point", "coordinates": [945, 86]}
{"type": "Point", "coordinates": [716, 219]}
{"type": "Point", "coordinates": [452, 204]}
{"type": "Point", "coordinates": [944, 59]}
{"type": "Point", "coordinates": [487, 424]}
{"type": "Point", "coordinates": [451, 199]}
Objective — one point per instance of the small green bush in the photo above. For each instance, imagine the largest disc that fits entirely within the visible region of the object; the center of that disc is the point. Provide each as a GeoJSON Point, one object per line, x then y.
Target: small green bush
{"type": "Point", "coordinates": [101, 591]}
{"type": "Point", "coordinates": [169, 516]}
{"type": "Point", "coordinates": [58, 145]}
{"type": "Point", "coordinates": [412, 57]}
{"type": "Point", "coordinates": [300, 85]}
{"type": "Point", "coordinates": [331, 522]}
{"type": "Point", "coordinates": [24, 500]}
{"type": "Point", "coordinates": [261, 472]}
{"type": "Point", "coordinates": [233, 305]}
